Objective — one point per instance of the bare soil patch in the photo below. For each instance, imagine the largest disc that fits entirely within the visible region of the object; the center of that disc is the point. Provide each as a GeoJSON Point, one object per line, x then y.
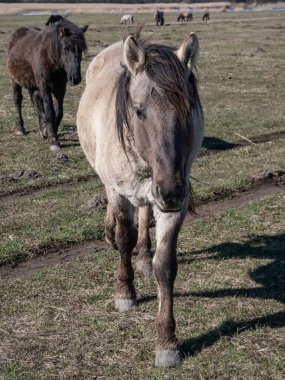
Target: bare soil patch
{"type": "Point", "coordinates": [265, 184]}
{"type": "Point", "coordinates": [18, 175]}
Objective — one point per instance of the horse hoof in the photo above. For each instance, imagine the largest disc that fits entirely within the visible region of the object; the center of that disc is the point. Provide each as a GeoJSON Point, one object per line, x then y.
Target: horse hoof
{"type": "Point", "coordinates": [54, 147]}
{"type": "Point", "coordinates": [20, 133]}
{"type": "Point", "coordinates": [144, 267]}
{"type": "Point", "coordinates": [167, 358]}
{"type": "Point", "coordinates": [123, 305]}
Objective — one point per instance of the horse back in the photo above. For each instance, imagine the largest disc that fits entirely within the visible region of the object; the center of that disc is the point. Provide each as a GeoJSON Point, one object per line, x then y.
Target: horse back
{"type": "Point", "coordinates": [95, 116]}
{"type": "Point", "coordinates": [21, 33]}
{"type": "Point", "coordinates": [23, 56]}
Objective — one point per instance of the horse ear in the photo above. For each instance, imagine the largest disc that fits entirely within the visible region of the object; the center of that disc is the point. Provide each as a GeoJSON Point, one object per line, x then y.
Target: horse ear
{"type": "Point", "coordinates": [134, 55]}
{"type": "Point", "coordinates": [188, 53]}
{"type": "Point", "coordinates": [84, 28]}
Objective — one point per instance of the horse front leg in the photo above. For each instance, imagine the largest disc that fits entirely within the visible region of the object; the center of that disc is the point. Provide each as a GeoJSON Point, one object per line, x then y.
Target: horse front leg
{"type": "Point", "coordinates": [125, 239]}
{"type": "Point", "coordinates": [58, 106]}
{"type": "Point", "coordinates": [18, 98]}
{"type": "Point", "coordinates": [50, 119]}
{"type": "Point", "coordinates": [165, 269]}
{"type": "Point", "coordinates": [143, 261]}
{"type": "Point", "coordinates": [38, 105]}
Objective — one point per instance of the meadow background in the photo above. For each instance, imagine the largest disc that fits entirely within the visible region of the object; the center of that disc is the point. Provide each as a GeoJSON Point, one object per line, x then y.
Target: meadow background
{"type": "Point", "coordinates": [57, 276]}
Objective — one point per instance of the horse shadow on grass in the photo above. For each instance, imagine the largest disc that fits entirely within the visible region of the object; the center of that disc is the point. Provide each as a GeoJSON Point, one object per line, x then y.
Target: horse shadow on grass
{"type": "Point", "coordinates": [216, 144]}
{"type": "Point", "coordinates": [270, 276]}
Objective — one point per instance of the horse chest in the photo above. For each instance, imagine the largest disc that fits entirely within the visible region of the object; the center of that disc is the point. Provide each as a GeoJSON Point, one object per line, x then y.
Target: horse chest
{"type": "Point", "coordinates": [135, 185]}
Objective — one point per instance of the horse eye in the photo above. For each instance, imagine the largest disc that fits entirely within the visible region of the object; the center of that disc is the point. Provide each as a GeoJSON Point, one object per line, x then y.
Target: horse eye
{"type": "Point", "coordinates": [138, 112]}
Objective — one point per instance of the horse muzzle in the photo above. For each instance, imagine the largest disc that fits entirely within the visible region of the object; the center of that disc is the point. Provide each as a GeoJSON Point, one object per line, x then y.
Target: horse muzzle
{"type": "Point", "coordinates": [169, 200]}
{"type": "Point", "coordinates": [73, 81]}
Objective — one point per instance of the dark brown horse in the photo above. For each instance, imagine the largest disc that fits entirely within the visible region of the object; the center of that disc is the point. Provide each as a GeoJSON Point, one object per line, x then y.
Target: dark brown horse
{"type": "Point", "coordinates": [141, 127]}
{"type": "Point", "coordinates": [43, 61]}
{"type": "Point", "coordinates": [53, 19]}
{"type": "Point", "coordinates": [159, 17]}
{"type": "Point", "coordinates": [206, 16]}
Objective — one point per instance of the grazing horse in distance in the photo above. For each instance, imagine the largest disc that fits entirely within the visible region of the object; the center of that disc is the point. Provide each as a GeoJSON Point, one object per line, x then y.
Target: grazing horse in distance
{"type": "Point", "coordinates": [141, 127]}
{"type": "Point", "coordinates": [127, 18]}
{"type": "Point", "coordinates": [53, 19]}
{"type": "Point", "coordinates": [43, 61]}
{"type": "Point", "coordinates": [185, 17]}
{"type": "Point", "coordinates": [206, 16]}
{"type": "Point", "coordinates": [159, 17]}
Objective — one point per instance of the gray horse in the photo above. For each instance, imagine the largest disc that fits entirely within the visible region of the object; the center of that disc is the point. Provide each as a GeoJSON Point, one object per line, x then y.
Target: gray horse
{"type": "Point", "coordinates": [185, 17]}
{"type": "Point", "coordinates": [127, 19]}
{"type": "Point", "coordinates": [140, 124]}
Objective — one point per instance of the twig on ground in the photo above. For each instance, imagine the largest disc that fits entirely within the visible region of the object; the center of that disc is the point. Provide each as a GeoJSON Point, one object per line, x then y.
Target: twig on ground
{"type": "Point", "coordinates": [245, 138]}
{"type": "Point", "coordinates": [199, 180]}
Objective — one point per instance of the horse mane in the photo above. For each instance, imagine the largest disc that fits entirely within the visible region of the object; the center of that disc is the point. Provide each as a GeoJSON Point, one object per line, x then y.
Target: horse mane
{"type": "Point", "coordinates": [71, 30]}
{"type": "Point", "coordinates": [168, 75]}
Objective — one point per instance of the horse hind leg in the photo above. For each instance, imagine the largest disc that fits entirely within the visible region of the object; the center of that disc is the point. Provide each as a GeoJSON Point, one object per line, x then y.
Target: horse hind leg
{"type": "Point", "coordinates": [110, 225]}
{"type": "Point", "coordinates": [125, 238]}
{"type": "Point", "coordinates": [18, 98]}
{"type": "Point", "coordinates": [144, 261]}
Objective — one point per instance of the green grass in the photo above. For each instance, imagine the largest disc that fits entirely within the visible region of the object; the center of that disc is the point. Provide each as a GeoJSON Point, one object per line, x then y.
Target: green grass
{"type": "Point", "coordinates": [240, 85]}
{"type": "Point", "coordinates": [229, 307]}
{"type": "Point", "coordinates": [59, 323]}
{"type": "Point", "coordinates": [53, 217]}
{"type": "Point", "coordinates": [49, 219]}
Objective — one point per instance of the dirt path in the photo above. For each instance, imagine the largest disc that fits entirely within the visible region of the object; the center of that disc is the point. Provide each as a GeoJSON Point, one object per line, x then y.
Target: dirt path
{"type": "Point", "coordinates": [269, 184]}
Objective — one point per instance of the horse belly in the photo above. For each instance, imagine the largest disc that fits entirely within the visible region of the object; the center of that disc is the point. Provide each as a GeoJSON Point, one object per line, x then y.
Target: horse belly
{"type": "Point", "coordinates": [21, 72]}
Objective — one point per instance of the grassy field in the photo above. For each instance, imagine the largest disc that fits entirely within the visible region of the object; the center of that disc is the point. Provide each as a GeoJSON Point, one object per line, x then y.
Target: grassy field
{"type": "Point", "coordinates": [59, 322]}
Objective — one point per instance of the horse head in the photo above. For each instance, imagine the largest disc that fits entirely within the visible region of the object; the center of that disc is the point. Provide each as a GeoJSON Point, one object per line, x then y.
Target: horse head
{"type": "Point", "coordinates": [157, 84]}
{"type": "Point", "coordinates": [71, 43]}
